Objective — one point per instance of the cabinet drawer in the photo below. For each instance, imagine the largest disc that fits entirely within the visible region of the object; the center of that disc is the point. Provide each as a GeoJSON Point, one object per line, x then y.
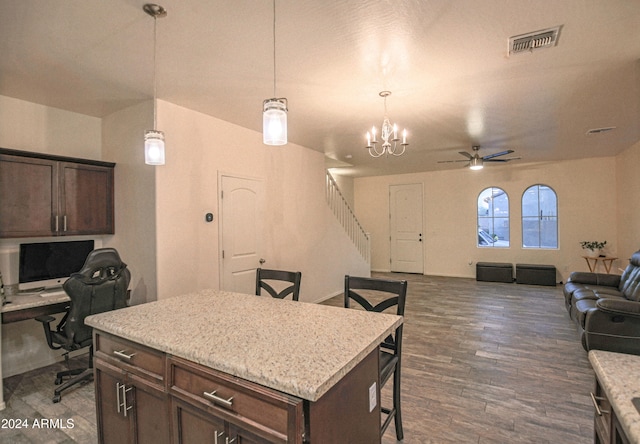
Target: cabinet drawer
{"type": "Point", "coordinates": [267, 413]}
{"type": "Point", "coordinates": [133, 357]}
{"type": "Point", "coordinates": [602, 413]}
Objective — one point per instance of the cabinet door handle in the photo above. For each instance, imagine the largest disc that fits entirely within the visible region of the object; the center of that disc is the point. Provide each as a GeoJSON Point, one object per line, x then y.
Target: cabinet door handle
{"type": "Point", "coordinates": [595, 400]}
{"type": "Point", "coordinates": [123, 354]}
{"type": "Point", "coordinates": [230, 442]}
{"type": "Point", "coordinates": [217, 435]}
{"type": "Point", "coordinates": [212, 397]}
{"type": "Point", "coordinates": [64, 223]}
{"type": "Point", "coordinates": [125, 390]}
{"type": "Point", "coordinates": [119, 395]}
{"type": "Point", "coordinates": [57, 224]}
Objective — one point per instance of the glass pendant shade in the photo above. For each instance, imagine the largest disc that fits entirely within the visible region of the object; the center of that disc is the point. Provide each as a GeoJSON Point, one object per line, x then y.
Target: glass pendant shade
{"type": "Point", "coordinates": [154, 147]}
{"type": "Point", "coordinates": [476, 164]}
{"type": "Point", "coordinates": [274, 122]}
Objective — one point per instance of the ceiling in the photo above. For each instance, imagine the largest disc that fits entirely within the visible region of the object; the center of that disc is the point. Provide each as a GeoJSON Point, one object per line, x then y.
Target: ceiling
{"type": "Point", "coordinates": [446, 63]}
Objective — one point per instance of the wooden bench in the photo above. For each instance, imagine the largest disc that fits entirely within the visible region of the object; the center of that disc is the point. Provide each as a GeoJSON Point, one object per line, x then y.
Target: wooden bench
{"type": "Point", "coordinates": [536, 274]}
{"type": "Point", "coordinates": [494, 272]}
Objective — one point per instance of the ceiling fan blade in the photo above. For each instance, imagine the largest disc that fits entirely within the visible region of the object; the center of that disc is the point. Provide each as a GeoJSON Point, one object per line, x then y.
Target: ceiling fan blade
{"type": "Point", "coordinates": [503, 160]}
{"type": "Point", "coordinates": [491, 156]}
{"type": "Point", "coordinates": [452, 161]}
{"type": "Point", "coordinates": [465, 154]}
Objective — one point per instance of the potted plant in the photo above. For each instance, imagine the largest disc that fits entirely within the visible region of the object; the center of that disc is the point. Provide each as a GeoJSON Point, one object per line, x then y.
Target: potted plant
{"type": "Point", "coordinates": [594, 247]}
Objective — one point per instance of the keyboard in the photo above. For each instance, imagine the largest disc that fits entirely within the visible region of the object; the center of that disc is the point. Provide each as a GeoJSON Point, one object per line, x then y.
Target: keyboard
{"type": "Point", "coordinates": [52, 292]}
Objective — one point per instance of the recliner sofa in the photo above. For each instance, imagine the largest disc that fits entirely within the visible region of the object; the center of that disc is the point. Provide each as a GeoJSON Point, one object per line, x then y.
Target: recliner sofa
{"type": "Point", "coordinates": [606, 308]}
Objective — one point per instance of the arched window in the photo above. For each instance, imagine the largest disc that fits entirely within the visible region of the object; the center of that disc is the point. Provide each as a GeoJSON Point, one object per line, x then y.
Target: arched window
{"type": "Point", "coordinates": [493, 218]}
{"type": "Point", "coordinates": [539, 217]}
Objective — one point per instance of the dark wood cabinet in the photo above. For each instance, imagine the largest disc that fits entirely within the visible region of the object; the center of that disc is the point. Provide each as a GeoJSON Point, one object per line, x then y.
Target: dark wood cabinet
{"type": "Point", "coordinates": [618, 436]}
{"type": "Point", "coordinates": [132, 403]}
{"type": "Point", "coordinates": [85, 199]}
{"type": "Point", "coordinates": [45, 195]}
{"type": "Point", "coordinates": [114, 426]}
{"type": "Point", "coordinates": [146, 396]}
{"type": "Point", "coordinates": [234, 410]}
{"type": "Point", "coordinates": [607, 428]}
{"type": "Point", "coordinates": [193, 425]}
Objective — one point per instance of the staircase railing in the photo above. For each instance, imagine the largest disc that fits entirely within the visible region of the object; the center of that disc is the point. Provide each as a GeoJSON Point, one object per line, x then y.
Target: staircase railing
{"type": "Point", "coordinates": [347, 218]}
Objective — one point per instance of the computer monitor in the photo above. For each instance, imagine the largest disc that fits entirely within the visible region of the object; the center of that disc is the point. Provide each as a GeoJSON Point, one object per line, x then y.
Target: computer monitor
{"type": "Point", "coordinates": [49, 264]}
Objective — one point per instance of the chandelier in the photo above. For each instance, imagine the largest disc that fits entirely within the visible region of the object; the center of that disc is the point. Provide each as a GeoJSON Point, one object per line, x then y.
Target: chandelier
{"type": "Point", "coordinates": [389, 135]}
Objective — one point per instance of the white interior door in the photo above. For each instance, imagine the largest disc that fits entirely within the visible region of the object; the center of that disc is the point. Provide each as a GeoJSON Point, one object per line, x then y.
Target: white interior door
{"type": "Point", "coordinates": [405, 213]}
{"type": "Point", "coordinates": [241, 232]}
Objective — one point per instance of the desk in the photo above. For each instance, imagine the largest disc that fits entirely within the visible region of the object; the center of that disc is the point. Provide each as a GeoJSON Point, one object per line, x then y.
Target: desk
{"type": "Point", "coordinates": [28, 306]}
{"type": "Point", "coordinates": [31, 305]}
{"type": "Point", "coordinates": [606, 261]}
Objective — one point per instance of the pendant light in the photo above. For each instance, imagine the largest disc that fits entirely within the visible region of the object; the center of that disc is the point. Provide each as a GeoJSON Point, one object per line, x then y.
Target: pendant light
{"type": "Point", "coordinates": [274, 111]}
{"type": "Point", "coordinates": [154, 139]}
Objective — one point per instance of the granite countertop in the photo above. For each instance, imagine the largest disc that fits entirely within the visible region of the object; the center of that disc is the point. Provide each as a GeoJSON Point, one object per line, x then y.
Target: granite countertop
{"type": "Point", "coordinates": [298, 348]}
{"type": "Point", "coordinates": [619, 375]}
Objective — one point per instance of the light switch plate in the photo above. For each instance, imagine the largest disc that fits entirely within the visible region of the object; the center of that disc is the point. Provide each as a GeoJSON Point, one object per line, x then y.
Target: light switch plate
{"type": "Point", "coordinates": [373, 397]}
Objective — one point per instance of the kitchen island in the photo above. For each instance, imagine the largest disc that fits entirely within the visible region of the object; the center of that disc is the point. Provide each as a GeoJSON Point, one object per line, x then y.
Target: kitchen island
{"type": "Point", "coordinates": [616, 397]}
{"type": "Point", "coordinates": [221, 367]}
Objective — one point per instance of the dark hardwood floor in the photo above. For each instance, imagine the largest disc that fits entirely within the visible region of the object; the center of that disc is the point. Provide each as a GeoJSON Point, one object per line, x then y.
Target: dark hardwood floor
{"type": "Point", "coordinates": [28, 398]}
{"type": "Point", "coordinates": [490, 363]}
{"type": "Point", "coordinates": [482, 363]}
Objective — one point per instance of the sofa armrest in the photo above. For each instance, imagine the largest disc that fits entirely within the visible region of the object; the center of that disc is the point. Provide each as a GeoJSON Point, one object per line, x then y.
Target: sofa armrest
{"type": "Point", "coordinates": [619, 306]}
{"type": "Point", "coordinates": [585, 277]}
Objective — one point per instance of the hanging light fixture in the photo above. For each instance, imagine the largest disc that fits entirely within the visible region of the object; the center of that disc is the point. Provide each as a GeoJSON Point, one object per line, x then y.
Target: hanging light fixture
{"type": "Point", "coordinates": [389, 135]}
{"type": "Point", "coordinates": [476, 163]}
{"type": "Point", "coordinates": [154, 139]}
{"type": "Point", "coordinates": [274, 111]}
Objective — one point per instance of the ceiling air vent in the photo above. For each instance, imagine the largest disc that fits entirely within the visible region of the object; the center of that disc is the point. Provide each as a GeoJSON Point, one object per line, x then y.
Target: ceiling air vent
{"type": "Point", "coordinates": [545, 38]}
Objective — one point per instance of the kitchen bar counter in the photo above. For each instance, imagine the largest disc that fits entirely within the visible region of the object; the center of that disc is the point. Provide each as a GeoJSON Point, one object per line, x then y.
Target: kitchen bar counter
{"type": "Point", "coordinates": [619, 376]}
{"type": "Point", "coordinates": [298, 348]}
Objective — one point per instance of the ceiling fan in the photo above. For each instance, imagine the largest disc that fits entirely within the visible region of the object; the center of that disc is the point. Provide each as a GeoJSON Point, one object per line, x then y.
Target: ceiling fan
{"type": "Point", "coordinates": [476, 162]}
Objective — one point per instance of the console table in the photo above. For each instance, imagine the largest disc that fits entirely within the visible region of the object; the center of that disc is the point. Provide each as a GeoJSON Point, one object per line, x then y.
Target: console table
{"type": "Point", "coordinates": [606, 261]}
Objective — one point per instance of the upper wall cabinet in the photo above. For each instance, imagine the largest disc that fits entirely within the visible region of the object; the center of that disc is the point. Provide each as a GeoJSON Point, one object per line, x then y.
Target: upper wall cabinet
{"type": "Point", "coordinates": [44, 195]}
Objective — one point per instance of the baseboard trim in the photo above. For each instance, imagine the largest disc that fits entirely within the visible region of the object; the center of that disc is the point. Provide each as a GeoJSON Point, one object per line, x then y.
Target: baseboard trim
{"type": "Point", "coordinates": [322, 299]}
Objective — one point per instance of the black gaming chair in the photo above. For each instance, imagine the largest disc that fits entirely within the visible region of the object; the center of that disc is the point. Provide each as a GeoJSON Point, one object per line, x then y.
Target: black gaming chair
{"type": "Point", "coordinates": [101, 285]}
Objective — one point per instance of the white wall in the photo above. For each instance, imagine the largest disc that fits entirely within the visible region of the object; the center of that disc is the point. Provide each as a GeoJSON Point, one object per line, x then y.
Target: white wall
{"type": "Point", "coordinates": [135, 213]}
{"type": "Point", "coordinates": [587, 211]}
{"type": "Point", "coordinates": [628, 199]}
{"type": "Point", "coordinates": [31, 127]}
{"type": "Point", "coordinates": [301, 232]}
